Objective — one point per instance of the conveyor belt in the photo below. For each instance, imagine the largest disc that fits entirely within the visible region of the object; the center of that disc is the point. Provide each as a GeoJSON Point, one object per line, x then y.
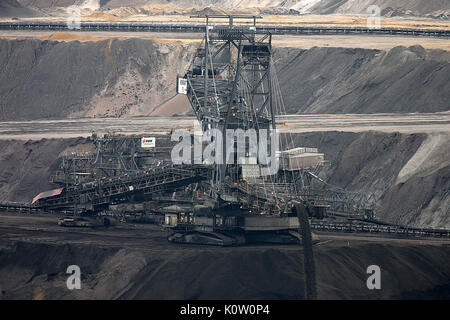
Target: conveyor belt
{"type": "Point", "coordinates": [98, 195]}
{"type": "Point", "coordinates": [377, 227]}
{"type": "Point", "coordinates": [199, 28]}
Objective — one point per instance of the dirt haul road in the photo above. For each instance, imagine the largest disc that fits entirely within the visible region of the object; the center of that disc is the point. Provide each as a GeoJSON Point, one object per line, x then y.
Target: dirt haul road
{"type": "Point", "coordinates": [404, 123]}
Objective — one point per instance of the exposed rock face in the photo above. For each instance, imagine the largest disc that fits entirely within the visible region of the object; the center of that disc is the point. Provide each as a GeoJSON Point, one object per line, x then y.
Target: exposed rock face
{"type": "Point", "coordinates": [49, 79]}
{"type": "Point", "coordinates": [429, 8]}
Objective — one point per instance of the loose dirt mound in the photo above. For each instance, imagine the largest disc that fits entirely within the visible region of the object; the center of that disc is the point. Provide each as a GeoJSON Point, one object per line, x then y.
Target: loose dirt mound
{"type": "Point", "coordinates": [42, 79]}
{"type": "Point", "coordinates": [376, 162]}
{"type": "Point", "coordinates": [339, 80]}
{"type": "Point", "coordinates": [178, 105]}
{"type": "Point", "coordinates": [27, 166]}
{"type": "Point", "coordinates": [65, 36]}
{"type": "Point", "coordinates": [101, 16]}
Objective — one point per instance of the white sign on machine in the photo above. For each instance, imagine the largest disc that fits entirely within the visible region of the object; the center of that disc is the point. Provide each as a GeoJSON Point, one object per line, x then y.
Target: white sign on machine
{"type": "Point", "coordinates": [182, 85]}
{"type": "Point", "coordinates": [148, 142]}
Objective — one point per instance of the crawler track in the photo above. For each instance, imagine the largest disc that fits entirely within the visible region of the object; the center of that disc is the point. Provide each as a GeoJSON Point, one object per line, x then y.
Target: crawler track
{"type": "Point", "coordinates": [351, 226]}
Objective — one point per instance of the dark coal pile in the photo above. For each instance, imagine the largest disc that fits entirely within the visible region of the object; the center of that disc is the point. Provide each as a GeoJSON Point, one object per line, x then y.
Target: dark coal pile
{"type": "Point", "coordinates": [38, 270]}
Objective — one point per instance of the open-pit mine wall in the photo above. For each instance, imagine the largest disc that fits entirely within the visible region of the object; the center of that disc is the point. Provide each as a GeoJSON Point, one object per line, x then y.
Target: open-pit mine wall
{"type": "Point", "coordinates": [116, 78]}
{"type": "Point", "coordinates": [46, 79]}
{"type": "Point", "coordinates": [408, 173]}
{"type": "Point", "coordinates": [424, 8]}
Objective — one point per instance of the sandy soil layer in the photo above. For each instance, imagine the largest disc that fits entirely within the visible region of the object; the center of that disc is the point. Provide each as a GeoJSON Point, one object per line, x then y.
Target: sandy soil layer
{"type": "Point", "coordinates": [356, 21]}
{"type": "Point", "coordinates": [306, 42]}
{"type": "Point", "coordinates": [404, 123]}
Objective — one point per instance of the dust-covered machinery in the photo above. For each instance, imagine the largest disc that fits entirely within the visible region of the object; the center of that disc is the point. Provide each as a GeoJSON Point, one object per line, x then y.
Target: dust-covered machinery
{"type": "Point", "coordinates": [239, 178]}
{"type": "Point", "coordinates": [234, 92]}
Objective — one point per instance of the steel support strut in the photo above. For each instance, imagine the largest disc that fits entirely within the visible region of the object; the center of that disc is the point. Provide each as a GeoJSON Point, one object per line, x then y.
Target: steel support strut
{"type": "Point", "coordinates": [308, 262]}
